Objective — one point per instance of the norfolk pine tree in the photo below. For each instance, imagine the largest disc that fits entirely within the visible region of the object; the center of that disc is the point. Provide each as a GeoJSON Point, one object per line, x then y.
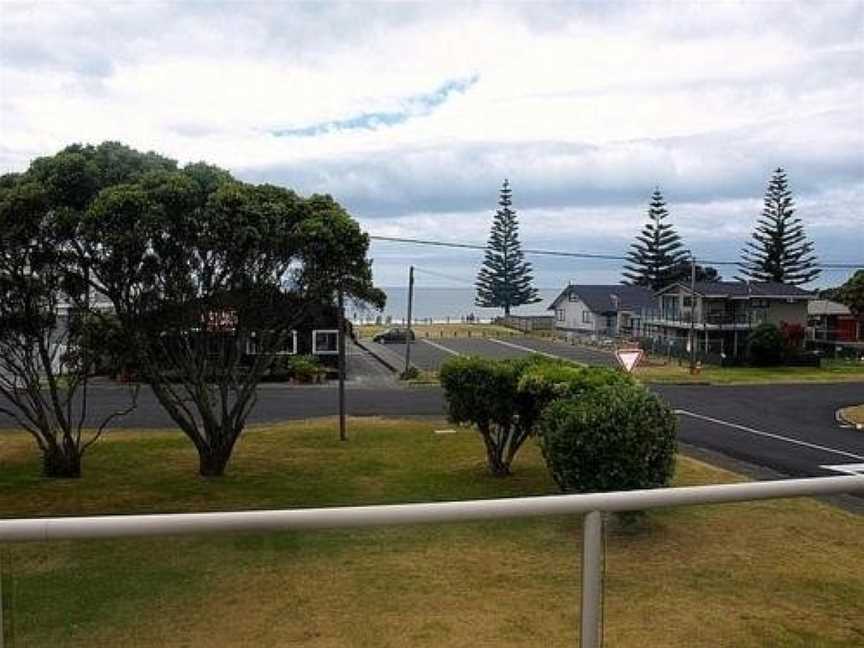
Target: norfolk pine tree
{"type": "Point", "coordinates": [780, 250]}
{"type": "Point", "coordinates": [504, 280]}
{"type": "Point", "coordinates": [656, 258]}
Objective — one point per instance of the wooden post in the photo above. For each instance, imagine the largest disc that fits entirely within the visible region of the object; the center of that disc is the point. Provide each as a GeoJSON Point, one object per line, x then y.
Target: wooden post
{"type": "Point", "coordinates": [343, 434]}
{"type": "Point", "coordinates": [408, 330]}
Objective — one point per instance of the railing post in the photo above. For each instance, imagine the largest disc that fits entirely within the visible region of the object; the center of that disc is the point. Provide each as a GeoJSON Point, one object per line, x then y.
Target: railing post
{"type": "Point", "coordinates": [592, 579]}
{"type": "Point", "coordinates": [2, 602]}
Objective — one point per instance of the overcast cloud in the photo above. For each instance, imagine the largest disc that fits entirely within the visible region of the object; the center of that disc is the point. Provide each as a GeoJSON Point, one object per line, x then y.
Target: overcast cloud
{"type": "Point", "coordinates": [411, 115]}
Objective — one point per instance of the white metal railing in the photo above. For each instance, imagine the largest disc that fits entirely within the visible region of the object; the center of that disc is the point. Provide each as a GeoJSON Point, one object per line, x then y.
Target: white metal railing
{"type": "Point", "coordinates": [593, 505]}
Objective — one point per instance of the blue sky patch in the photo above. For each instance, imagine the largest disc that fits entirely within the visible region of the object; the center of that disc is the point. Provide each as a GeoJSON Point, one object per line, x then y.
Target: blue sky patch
{"type": "Point", "coordinates": [415, 106]}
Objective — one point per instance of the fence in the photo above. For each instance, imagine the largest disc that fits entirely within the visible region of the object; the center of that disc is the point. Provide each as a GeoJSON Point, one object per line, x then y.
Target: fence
{"type": "Point", "coordinates": [592, 505]}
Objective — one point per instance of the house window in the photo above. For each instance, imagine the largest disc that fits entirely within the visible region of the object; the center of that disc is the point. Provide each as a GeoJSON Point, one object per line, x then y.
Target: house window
{"type": "Point", "coordinates": [289, 347]}
{"type": "Point", "coordinates": [586, 317]}
{"type": "Point", "coordinates": [325, 342]}
{"type": "Point", "coordinates": [573, 297]}
{"type": "Point", "coordinates": [759, 303]}
{"type": "Point", "coordinates": [687, 301]}
{"type": "Point", "coordinates": [559, 314]}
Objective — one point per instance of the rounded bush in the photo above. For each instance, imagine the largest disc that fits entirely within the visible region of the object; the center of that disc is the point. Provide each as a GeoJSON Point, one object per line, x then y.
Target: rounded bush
{"type": "Point", "coordinates": [766, 345]}
{"type": "Point", "coordinates": [611, 438]}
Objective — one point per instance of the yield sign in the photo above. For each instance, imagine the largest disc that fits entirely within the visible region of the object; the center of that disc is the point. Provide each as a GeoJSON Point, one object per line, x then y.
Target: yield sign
{"type": "Point", "coordinates": [628, 358]}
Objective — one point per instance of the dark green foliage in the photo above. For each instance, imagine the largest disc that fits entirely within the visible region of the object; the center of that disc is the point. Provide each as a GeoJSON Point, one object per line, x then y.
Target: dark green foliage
{"type": "Point", "coordinates": [196, 264]}
{"type": "Point", "coordinates": [504, 280]}
{"type": "Point", "coordinates": [504, 399]}
{"type": "Point", "coordinates": [682, 273]}
{"type": "Point", "coordinates": [481, 392]}
{"type": "Point", "coordinates": [485, 393]}
{"type": "Point", "coordinates": [47, 340]}
{"type": "Point", "coordinates": [547, 380]}
{"type": "Point", "coordinates": [611, 438]}
{"type": "Point", "coordinates": [766, 345]}
{"type": "Point", "coordinates": [656, 258]}
{"type": "Point", "coordinates": [851, 293]}
{"type": "Point", "coordinates": [302, 368]}
{"type": "Point", "coordinates": [780, 250]}
{"type": "Point", "coordinates": [411, 373]}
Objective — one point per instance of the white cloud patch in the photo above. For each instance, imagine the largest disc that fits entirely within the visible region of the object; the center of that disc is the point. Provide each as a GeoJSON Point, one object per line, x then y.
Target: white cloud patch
{"type": "Point", "coordinates": [411, 114]}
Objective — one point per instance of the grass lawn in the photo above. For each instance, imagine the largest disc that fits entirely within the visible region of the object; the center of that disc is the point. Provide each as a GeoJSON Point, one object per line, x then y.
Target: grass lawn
{"type": "Point", "coordinates": [785, 573]}
{"type": "Point", "coordinates": [831, 371]}
{"type": "Point", "coordinates": [443, 330]}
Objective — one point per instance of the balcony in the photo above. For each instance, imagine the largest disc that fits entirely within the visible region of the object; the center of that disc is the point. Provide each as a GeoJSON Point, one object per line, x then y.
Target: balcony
{"type": "Point", "coordinates": [710, 320]}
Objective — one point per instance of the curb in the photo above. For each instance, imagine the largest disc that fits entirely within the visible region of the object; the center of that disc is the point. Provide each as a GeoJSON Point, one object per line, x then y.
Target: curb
{"type": "Point", "coordinates": [378, 356]}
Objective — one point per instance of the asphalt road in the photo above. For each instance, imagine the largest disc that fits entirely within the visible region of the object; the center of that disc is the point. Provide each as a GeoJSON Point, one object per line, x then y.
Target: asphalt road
{"type": "Point", "coordinates": [430, 353]}
{"type": "Point", "coordinates": [789, 429]}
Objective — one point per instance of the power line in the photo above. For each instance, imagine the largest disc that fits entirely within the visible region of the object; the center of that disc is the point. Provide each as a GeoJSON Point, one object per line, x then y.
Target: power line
{"type": "Point", "coordinates": [580, 255]}
{"type": "Point", "coordinates": [435, 273]}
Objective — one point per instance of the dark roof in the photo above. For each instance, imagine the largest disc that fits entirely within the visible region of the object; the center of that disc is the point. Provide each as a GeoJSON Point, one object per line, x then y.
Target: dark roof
{"type": "Point", "coordinates": [599, 299]}
{"type": "Point", "coordinates": [743, 289]}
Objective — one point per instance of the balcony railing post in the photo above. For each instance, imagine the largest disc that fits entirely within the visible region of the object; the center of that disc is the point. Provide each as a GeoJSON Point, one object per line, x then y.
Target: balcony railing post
{"type": "Point", "coordinates": [592, 579]}
{"type": "Point", "coordinates": [2, 602]}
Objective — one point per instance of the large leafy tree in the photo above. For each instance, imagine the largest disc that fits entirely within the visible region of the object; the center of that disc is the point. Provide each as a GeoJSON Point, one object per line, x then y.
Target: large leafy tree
{"type": "Point", "coordinates": [198, 267]}
{"type": "Point", "coordinates": [48, 350]}
{"type": "Point", "coordinates": [504, 280]}
{"type": "Point", "coordinates": [682, 271]}
{"type": "Point", "coordinates": [657, 256]}
{"type": "Point", "coordinates": [851, 293]}
{"type": "Point", "coordinates": [780, 250]}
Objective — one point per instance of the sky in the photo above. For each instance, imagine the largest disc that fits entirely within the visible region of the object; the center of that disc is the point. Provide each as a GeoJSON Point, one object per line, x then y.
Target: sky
{"type": "Point", "coordinates": [411, 115]}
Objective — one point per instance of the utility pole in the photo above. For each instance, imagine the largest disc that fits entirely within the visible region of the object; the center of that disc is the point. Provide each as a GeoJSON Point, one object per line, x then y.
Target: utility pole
{"type": "Point", "coordinates": [343, 435]}
{"type": "Point", "coordinates": [408, 332]}
{"type": "Point", "coordinates": [692, 314]}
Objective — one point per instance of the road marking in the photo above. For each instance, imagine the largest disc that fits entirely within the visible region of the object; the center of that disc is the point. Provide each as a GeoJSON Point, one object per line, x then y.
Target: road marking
{"type": "Point", "coordinates": [530, 350]}
{"type": "Point", "coordinates": [441, 347]}
{"type": "Point", "coordinates": [770, 435]}
{"type": "Point", "coordinates": [848, 469]}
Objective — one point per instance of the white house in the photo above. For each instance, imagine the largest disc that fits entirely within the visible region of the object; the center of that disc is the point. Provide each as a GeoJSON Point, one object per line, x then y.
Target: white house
{"type": "Point", "coordinates": [594, 310]}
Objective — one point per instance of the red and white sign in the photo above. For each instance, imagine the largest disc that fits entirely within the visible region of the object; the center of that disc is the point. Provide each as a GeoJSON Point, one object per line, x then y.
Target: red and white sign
{"type": "Point", "coordinates": [629, 358]}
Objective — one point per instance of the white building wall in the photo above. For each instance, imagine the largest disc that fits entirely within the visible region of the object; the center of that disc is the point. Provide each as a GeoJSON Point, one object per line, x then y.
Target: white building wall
{"type": "Point", "coordinates": [577, 317]}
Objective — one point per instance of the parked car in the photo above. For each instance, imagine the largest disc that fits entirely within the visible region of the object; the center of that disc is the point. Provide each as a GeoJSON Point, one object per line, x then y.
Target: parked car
{"type": "Point", "coordinates": [394, 335]}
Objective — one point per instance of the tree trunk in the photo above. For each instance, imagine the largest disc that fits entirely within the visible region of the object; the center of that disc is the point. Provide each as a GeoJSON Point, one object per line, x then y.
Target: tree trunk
{"type": "Point", "coordinates": [497, 466]}
{"type": "Point", "coordinates": [212, 462]}
{"type": "Point", "coordinates": [57, 463]}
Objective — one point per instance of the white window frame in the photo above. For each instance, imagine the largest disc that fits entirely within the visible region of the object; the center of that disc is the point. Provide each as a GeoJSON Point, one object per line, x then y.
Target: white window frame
{"type": "Point", "coordinates": [293, 345]}
{"type": "Point", "coordinates": [293, 338]}
{"type": "Point", "coordinates": [315, 333]}
{"type": "Point", "coordinates": [586, 317]}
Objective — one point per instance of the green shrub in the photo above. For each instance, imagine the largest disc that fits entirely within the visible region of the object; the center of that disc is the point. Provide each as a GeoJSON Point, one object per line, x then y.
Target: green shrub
{"type": "Point", "coordinates": [618, 437]}
{"type": "Point", "coordinates": [411, 373]}
{"type": "Point", "coordinates": [505, 398]}
{"type": "Point", "coordinates": [485, 393]}
{"type": "Point", "coordinates": [765, 345]}
{"type": "Point", "coordinates": [302, 368]}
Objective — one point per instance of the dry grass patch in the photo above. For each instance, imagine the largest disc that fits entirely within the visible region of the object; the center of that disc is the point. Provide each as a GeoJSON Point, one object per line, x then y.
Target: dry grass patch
{"type": "Point", "coordinates": [442, 330]}
{"type": "Point", "coordinates": [854, 414]}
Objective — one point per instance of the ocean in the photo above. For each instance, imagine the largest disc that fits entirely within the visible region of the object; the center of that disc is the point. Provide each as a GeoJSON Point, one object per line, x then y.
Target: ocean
{"type": "Point", "coordinates": [442, 305]}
